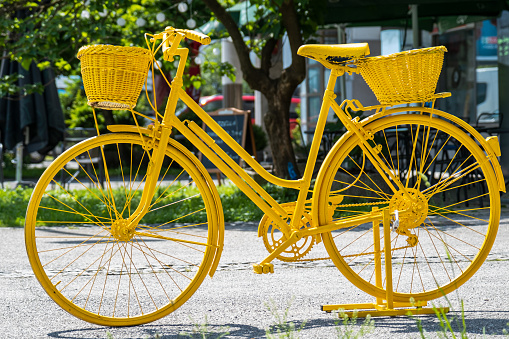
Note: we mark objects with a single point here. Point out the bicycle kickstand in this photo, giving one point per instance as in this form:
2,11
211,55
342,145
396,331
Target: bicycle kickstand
387,306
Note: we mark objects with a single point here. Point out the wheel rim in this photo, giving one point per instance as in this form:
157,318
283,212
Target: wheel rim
465,208
87,258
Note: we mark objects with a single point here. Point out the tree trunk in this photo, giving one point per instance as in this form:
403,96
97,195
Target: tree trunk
278,130
278,91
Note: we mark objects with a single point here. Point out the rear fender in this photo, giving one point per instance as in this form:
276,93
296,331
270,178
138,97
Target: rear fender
490,145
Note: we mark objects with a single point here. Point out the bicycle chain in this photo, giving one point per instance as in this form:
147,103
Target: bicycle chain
352,255
364,204
348,205
310,259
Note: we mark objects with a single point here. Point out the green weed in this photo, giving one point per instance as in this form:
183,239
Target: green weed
282,327
451,326
347,328
203,331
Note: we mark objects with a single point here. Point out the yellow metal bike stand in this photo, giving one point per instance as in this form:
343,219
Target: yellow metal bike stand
384,307
381,310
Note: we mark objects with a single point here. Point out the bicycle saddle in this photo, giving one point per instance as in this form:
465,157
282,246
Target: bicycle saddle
334,55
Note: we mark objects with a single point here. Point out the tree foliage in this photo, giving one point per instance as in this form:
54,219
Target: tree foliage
50,32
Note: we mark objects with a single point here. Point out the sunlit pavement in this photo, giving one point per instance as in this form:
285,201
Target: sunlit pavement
242,303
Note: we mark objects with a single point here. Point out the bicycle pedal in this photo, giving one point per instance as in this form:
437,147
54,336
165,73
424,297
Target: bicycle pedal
263,268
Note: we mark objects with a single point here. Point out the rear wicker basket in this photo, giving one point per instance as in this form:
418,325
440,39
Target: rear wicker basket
113,76
404,77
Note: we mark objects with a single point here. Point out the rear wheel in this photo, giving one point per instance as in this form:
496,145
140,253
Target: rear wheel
448,211
86,255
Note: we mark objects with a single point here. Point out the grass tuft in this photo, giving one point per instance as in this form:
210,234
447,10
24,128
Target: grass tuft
347,328
202,331
282,328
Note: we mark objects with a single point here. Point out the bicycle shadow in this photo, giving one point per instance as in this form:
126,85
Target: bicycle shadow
429,324
165,331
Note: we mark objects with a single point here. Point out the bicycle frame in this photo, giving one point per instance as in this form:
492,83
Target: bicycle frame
194,133
206,145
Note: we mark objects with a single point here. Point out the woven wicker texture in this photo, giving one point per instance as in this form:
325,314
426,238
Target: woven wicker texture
113,76
404,77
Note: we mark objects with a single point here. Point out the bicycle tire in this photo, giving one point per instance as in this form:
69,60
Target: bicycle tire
74,226
447,172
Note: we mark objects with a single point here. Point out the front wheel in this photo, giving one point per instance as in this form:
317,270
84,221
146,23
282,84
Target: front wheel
448,210
88,258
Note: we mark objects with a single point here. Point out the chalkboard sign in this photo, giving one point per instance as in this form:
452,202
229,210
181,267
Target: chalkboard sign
237,124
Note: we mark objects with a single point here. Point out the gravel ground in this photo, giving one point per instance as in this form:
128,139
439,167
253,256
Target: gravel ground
243,304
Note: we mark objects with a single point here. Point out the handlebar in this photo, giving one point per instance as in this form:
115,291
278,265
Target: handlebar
171,39
186,33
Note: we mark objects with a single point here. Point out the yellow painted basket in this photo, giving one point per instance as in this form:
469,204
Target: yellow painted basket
113,76
404,77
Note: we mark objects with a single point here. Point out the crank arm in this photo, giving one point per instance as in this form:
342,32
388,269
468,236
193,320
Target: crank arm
265,265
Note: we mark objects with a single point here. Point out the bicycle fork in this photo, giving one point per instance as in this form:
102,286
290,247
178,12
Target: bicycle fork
163,132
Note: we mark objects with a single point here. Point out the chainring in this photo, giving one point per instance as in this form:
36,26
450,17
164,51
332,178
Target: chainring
273,237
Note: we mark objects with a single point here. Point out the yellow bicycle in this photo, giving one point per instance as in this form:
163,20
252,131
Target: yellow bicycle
407,201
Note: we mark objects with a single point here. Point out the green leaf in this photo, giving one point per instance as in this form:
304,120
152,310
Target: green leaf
63,65
43,65
197,84
25,63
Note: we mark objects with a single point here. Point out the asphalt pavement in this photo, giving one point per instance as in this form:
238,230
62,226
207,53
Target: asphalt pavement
245,304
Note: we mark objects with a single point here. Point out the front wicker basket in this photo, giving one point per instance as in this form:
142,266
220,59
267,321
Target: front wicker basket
404,77
113,76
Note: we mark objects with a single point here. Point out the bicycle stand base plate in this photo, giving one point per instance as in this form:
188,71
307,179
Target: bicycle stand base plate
375,310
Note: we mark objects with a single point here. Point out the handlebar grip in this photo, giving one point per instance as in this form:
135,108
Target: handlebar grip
171,40
190,34
198,37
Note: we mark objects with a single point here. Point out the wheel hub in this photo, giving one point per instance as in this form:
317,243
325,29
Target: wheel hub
412,208
121,230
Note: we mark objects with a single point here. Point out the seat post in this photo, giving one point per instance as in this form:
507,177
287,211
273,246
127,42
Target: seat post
328,97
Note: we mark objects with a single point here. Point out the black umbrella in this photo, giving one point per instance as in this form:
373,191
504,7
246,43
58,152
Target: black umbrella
36,120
